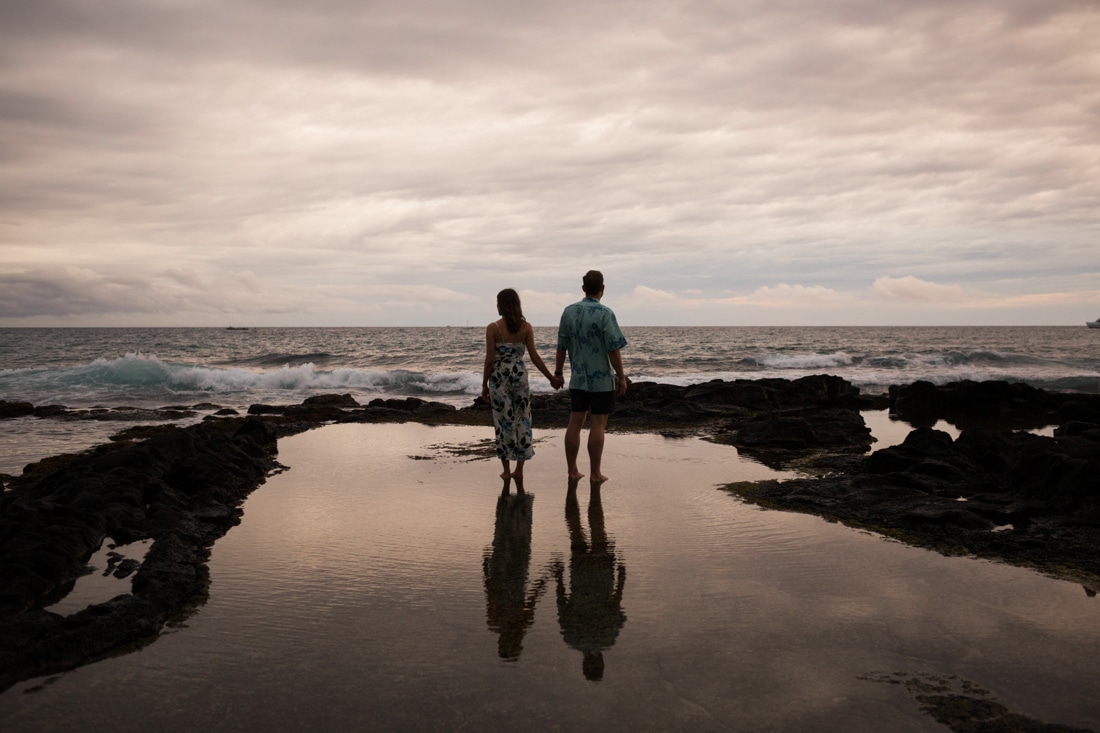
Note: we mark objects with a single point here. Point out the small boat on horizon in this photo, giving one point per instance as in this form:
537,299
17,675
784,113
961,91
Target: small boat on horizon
1093,324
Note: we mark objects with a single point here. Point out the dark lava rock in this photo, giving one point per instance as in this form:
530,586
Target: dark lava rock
648,405
261,409
819,390
413,405
15,409
261,432
332,400
126,568
140,432
181,488
1023,498
407,404
990,404
435,408
836,428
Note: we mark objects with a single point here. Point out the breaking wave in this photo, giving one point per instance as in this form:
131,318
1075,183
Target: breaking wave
149,380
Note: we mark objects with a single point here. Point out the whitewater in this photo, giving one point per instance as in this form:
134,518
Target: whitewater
215,368
154,367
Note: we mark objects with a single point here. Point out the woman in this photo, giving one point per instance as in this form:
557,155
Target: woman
504,381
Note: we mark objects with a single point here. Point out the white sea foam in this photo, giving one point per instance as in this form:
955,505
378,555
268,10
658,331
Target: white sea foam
805,361
159,367
70,366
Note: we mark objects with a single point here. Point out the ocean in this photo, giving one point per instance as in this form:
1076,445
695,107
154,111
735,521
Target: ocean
234,368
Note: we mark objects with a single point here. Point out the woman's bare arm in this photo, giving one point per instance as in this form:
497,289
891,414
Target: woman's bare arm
490,357
529,339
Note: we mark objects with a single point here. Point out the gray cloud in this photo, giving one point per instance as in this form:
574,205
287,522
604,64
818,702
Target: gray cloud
332,148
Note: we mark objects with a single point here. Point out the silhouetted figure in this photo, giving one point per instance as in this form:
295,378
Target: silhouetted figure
591,613
510,606
590,336
504,382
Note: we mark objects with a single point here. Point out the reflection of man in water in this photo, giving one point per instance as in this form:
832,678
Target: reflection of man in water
510,608
591,613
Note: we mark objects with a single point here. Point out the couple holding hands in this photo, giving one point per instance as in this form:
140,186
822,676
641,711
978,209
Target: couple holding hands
589,334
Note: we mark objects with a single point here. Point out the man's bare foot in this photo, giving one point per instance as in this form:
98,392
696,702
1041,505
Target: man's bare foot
598,478
506,475
575,474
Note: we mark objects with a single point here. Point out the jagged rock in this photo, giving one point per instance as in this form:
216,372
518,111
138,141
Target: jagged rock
181,488
262,433
1016,496
834,428
991,404
261,409
332,400
435,408
15,409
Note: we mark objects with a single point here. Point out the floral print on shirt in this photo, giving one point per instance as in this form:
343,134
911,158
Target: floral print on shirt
588,331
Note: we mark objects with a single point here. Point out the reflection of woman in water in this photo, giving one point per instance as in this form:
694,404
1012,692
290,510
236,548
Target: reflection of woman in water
504,381
591,614
510,607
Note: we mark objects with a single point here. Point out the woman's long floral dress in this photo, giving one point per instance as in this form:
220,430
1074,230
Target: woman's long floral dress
510,397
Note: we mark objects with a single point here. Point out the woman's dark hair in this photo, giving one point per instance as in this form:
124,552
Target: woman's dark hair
509,307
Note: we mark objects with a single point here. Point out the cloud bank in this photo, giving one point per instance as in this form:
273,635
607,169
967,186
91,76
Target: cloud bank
788,162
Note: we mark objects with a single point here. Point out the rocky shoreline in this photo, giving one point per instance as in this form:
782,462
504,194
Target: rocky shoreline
995,491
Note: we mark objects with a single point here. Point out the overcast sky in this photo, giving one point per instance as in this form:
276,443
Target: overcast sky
723,162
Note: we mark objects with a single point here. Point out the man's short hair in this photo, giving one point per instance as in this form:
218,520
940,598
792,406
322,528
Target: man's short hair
592,282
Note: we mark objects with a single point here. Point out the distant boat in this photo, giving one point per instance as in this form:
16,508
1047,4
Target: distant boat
236,328
1093,324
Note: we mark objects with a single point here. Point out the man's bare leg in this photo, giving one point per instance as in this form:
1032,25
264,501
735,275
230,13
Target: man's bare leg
518,473
507,468
596,425
573,442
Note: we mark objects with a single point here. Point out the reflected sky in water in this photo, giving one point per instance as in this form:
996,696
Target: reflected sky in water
388,581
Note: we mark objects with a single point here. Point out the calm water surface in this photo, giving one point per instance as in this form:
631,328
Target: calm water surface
383,584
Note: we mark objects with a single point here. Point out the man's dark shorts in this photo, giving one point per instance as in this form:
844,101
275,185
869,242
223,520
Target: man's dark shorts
597,403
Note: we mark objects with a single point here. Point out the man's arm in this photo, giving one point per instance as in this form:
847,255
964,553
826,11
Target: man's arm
559,361
616,359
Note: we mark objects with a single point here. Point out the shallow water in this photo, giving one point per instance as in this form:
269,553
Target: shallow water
363,591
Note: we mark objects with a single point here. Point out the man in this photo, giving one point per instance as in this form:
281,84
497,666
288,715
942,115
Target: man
590,335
